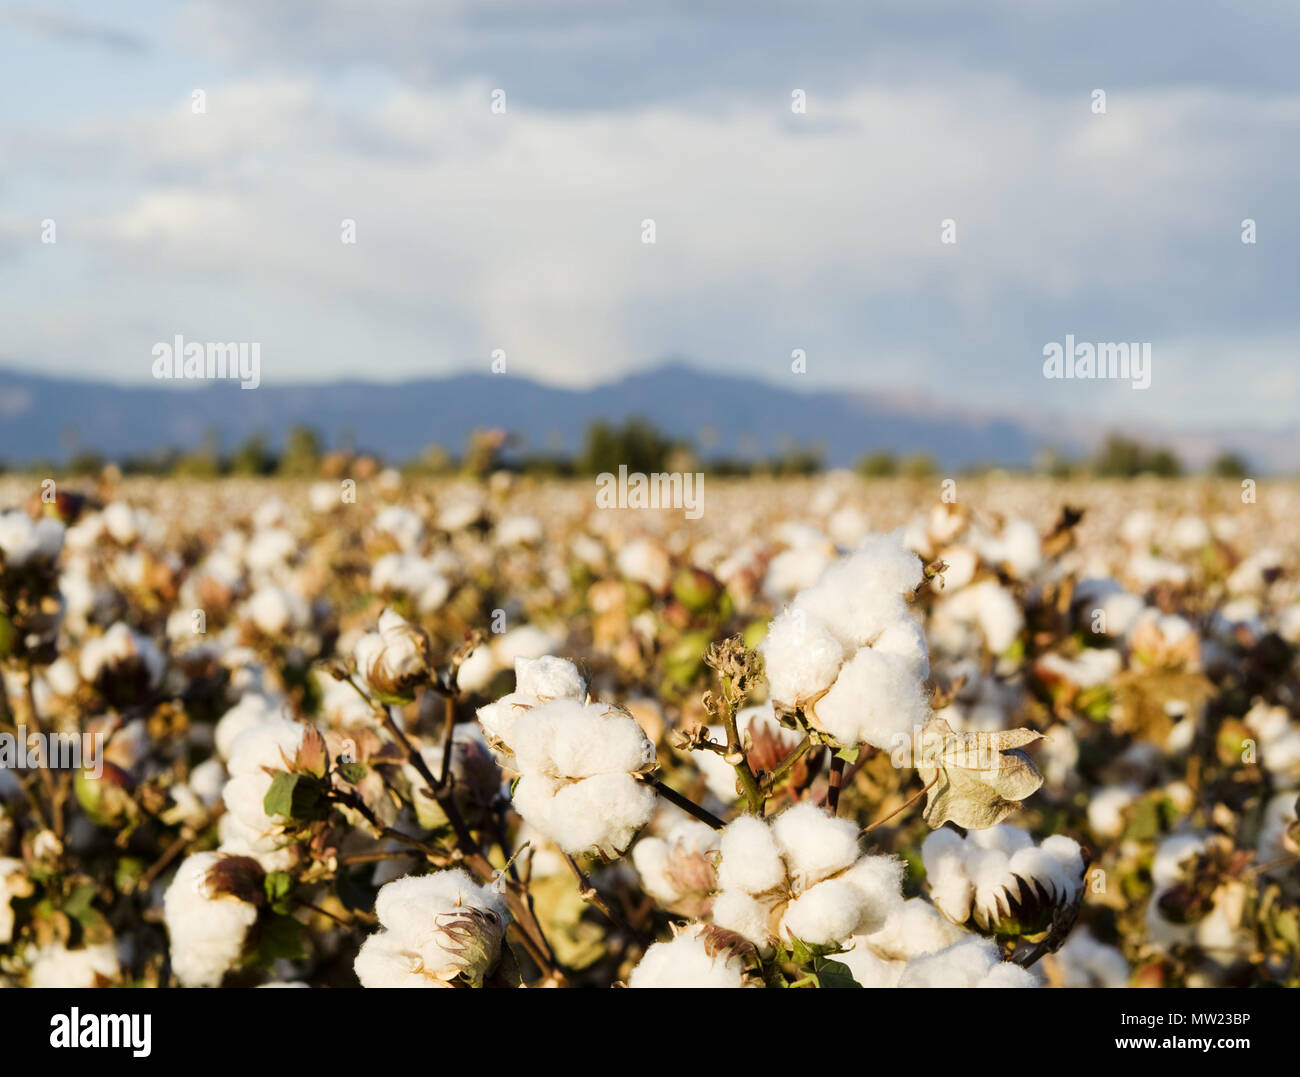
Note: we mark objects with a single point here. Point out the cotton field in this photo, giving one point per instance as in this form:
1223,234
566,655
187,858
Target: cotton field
825,732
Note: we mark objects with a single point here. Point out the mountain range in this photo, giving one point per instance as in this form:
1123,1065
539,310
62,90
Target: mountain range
46,418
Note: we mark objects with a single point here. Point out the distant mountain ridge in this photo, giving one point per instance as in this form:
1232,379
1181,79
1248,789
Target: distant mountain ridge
744,417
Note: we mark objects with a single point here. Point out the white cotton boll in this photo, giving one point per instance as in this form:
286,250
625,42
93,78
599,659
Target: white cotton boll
1037,866
266,745
869,968
645,562
1085,962
1172,855
1138,527
879,879
207,932
498,719
1004,837
906,639
962,562
913,928
860,596
687,962
270,549
963,964
548,677
413,906
1189,533
1288,624
402,524
603,812
526,641
814,844
58,967
276,611
1021,548
827,913
477,670
952,892
801,656
875,699
1067,853
747,916
253,709
750,857
847,527
1106,809
518,531
998,615
660,861
1005,974
792,571
383,962
1148,571
941,848
120,522
566,738
206,781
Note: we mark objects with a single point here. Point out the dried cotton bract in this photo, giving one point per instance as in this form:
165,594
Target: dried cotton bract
849,653
439,930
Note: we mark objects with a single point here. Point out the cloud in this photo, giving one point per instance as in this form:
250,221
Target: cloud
58,26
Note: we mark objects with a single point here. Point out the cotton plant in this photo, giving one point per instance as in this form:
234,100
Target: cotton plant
579,763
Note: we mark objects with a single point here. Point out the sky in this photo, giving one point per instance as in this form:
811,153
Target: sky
775,230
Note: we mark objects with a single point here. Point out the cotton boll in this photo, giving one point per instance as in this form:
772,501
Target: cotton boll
383,962
963,964
827,913
253,709
207,931
276,611
1106,809
525,641
1005,974
436,929
860,596
645,562
875,699
477,670
566,738
1067,853
498,719
57,966
266,745
868,968
750,857
1003,837
687,961
548,677
603,812
879,879
792,571
801,656
913,928
814,844
1085,962
746,915
906,639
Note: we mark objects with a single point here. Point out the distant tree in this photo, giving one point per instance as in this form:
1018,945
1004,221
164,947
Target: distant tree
1123,457
302,452
636,444
920,466
253,457
878,465
1230,465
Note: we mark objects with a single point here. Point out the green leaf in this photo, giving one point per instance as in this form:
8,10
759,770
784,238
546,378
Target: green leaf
833,973
281,937
278,884
849,755
353,772
279,798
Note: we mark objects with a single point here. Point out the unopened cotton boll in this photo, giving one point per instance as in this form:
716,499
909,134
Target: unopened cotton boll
690,960
207,929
